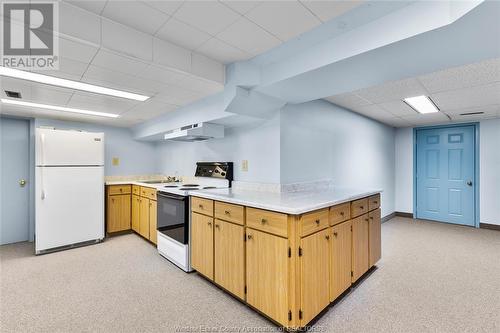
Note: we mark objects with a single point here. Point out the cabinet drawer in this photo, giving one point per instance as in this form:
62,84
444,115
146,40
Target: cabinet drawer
359,207
202,206
340,213
148,192
136,189
265,220
314,221
229,212
118,189
374,202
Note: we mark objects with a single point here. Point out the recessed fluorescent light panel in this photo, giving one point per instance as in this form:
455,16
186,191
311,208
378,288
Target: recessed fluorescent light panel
55,81
421,104
58,108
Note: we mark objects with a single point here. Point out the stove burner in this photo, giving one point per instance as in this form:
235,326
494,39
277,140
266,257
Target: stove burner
188,188
171,186
190,185
209,187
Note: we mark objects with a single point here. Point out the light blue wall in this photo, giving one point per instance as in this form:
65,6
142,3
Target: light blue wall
136,157
320,140
259,144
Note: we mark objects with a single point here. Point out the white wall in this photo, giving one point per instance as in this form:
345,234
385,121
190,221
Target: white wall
136,157
404,170
489,171
322,141
259,144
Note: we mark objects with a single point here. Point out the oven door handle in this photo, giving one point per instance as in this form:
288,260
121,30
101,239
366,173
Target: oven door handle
170,196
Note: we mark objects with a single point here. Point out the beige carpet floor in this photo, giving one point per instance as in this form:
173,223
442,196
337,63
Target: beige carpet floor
433,278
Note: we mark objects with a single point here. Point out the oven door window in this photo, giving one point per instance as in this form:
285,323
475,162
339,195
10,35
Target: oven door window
172,217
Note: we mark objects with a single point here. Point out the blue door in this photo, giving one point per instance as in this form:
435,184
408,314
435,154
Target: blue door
445,174
14,195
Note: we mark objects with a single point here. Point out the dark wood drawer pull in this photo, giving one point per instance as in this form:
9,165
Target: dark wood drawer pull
317,221
335,234
263,221
227,212
342,213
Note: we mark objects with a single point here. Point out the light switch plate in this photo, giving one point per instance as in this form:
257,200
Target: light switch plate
244,165
115,161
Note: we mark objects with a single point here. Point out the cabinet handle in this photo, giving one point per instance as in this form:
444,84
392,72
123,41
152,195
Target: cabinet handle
335,234
263,221
121,190
317,221
227,212
371,217
209,223
200,206
112,199
367,220
342,213
362,207
249,236
327,237
375,202
150,204
217,226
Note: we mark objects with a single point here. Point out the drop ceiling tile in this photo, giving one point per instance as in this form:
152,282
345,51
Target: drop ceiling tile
208,68
121,38
427,119
241,6
284,19
149,109
374,111
136,15
163,75
16,85
169,7
76,50
101,103
480,73
249,37
327,10
209,16
79,23
468,97
398,122
182,34
168,54
395,90
177,96
476,117
348,100
119,63
95,6
220,51
47,95
398,108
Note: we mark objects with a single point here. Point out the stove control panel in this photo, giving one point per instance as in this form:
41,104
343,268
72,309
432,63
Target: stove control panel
222,170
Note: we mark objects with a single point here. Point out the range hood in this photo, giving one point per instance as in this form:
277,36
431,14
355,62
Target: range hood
196,132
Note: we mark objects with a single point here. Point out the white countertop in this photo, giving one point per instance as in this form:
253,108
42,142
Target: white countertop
157,185
293,203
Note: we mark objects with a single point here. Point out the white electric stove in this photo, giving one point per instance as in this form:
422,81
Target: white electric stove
173,221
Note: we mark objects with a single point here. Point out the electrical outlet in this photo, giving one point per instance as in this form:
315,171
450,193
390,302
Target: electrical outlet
244,165
115,161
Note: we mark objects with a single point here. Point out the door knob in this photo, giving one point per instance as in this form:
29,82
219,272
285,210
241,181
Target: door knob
22,182
469,182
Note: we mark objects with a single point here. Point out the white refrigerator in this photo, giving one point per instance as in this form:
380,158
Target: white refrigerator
69,189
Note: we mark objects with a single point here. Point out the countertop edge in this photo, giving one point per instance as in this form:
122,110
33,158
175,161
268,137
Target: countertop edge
281,209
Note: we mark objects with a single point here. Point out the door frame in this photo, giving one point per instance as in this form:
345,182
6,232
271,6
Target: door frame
476,165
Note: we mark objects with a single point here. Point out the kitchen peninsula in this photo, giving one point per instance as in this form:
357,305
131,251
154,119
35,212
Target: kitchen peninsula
287,255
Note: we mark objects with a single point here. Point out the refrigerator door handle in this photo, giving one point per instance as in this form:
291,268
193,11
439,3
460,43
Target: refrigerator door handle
42,139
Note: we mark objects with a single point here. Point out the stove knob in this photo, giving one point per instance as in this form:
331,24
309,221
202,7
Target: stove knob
223,173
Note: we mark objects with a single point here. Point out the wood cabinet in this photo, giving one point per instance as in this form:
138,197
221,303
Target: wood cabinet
202,244
340,259
267,274
315,275
229,257
136,208
374,241
118,210
132,207
360,260
288,267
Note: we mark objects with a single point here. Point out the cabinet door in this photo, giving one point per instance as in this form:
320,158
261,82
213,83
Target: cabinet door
340,259
374,231
118,213
202,244
152,221
136,208
315,274
267,274
359,246
144,217
230,257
